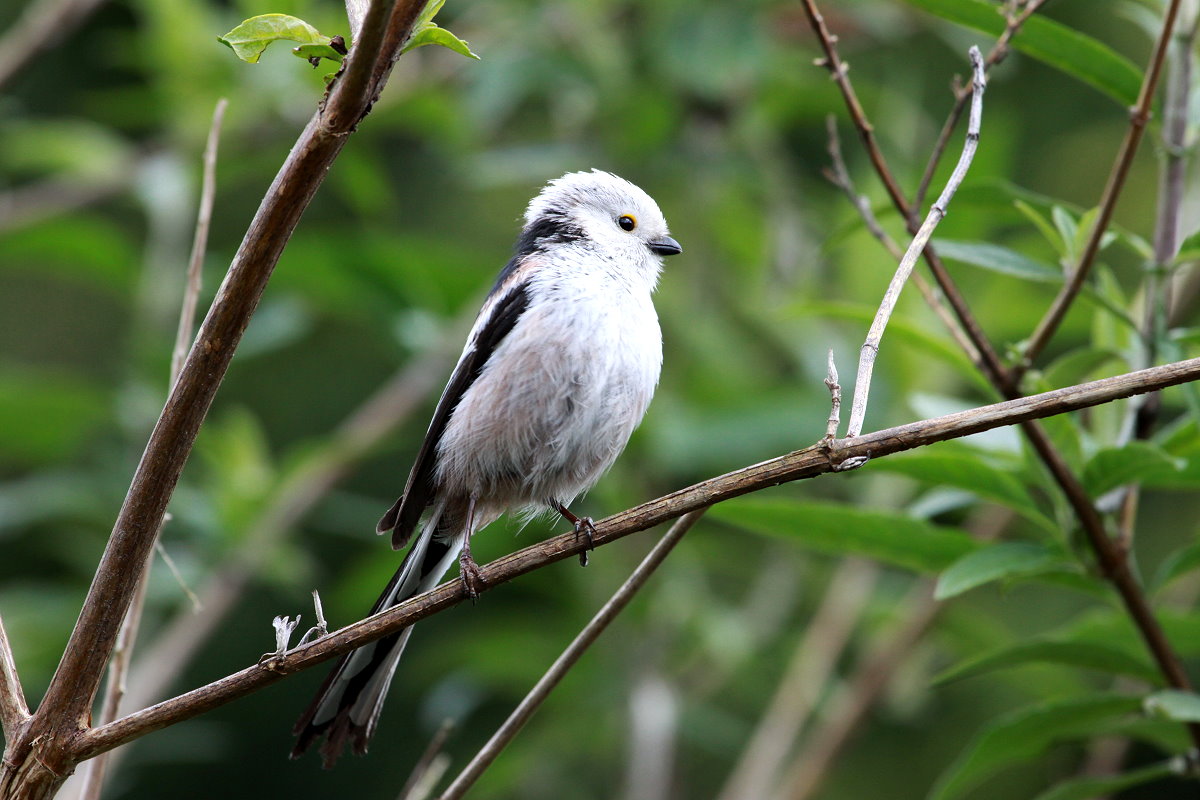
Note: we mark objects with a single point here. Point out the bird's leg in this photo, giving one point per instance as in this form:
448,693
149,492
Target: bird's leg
468,570
584,526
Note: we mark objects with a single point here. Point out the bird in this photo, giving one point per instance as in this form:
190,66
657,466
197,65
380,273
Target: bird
557,372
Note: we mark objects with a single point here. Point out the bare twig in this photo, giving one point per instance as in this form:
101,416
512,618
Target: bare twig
118,667
813,661
806,463
988,361
40,760
839,176
419,786
870,348
962,95
579,645
13,710
1138,119
41,25
835,400
848,707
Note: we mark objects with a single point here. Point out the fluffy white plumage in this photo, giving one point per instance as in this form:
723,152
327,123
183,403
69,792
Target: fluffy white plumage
556,373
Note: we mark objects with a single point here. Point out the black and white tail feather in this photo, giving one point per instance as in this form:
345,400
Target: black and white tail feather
556,373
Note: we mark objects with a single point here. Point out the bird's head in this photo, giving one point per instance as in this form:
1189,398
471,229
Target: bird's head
598,209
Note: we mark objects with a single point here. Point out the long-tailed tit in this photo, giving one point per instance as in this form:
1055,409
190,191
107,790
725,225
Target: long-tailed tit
556,373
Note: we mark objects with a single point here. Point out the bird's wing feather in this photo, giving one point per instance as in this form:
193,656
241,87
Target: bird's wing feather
500,312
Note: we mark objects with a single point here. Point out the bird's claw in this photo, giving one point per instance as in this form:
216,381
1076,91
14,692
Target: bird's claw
586,527
472,578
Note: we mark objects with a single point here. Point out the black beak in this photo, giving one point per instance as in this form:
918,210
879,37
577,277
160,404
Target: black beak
666,246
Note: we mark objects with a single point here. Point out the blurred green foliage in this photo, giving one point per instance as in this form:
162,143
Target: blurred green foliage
717,110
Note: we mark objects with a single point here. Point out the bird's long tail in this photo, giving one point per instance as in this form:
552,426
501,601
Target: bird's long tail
346,709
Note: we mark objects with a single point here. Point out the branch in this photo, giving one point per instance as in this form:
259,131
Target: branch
13,710
65,708
870,348
118,667
963,94
1138,119
839,176
807,675
40,27
807,463
989,361
569,657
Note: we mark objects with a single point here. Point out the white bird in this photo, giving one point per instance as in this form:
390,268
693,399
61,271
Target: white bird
556,373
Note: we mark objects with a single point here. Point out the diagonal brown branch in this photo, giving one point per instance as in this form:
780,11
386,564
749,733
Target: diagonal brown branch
65,709
815,460
1139,117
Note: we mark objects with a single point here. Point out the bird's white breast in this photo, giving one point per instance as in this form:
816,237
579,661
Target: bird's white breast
561,394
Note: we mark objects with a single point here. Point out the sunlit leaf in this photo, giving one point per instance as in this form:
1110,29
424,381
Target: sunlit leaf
998,259
1087,655
249,39
1051,42
1174,704
426,31
1026,733
997,562
890,537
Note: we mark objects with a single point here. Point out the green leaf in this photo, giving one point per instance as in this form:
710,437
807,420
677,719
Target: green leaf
1088,655
969,470
1180,562
1067,229
1103,786
426,31
318,51
998,259
1078,366
1136,462
250,39
1050,42
1189,249
890,537
1048,231
995,562
1174,704
1027,732
432,34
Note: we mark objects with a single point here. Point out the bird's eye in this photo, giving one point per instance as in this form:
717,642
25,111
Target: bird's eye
627,222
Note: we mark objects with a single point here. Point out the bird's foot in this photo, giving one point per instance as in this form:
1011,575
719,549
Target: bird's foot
472,576
584,526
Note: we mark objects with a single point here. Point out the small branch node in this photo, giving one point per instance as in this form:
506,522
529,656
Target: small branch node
835,398
318,630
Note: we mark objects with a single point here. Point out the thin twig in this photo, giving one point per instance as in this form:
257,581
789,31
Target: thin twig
870,348
835,399
806,463
13,709
1138,119
40,761
848,707
420,771
813,661
989,360
962,96
118,666
563,664
839,176
42,25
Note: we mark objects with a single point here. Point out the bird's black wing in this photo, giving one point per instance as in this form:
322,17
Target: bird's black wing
402,517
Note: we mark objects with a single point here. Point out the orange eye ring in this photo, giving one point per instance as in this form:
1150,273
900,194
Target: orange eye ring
627,222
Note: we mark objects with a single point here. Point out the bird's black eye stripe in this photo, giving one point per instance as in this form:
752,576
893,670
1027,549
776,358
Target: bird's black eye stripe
627,222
